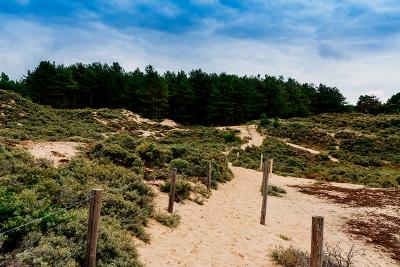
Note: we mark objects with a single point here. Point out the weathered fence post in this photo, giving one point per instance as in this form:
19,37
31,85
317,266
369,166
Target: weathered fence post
237,154
172,192
93,227
266,171
209,175
264,190
226,159
261,162
317,239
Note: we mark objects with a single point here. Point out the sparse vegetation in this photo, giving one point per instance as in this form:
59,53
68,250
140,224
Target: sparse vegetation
113,158
170,220
293,257
366,146
284,237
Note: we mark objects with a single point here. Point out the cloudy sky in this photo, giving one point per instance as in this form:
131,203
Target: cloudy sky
351,44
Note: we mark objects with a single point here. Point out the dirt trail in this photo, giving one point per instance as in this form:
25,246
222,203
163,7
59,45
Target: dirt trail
226,230
310,150
249,133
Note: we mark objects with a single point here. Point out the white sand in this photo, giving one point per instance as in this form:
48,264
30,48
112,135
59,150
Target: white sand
248,132
312,151
56,152
170,123
226,230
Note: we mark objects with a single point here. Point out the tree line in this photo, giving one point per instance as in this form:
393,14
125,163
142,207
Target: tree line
196,97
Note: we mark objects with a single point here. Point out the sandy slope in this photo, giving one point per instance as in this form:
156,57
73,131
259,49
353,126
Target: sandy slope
56,152
247,132
226,230
310,150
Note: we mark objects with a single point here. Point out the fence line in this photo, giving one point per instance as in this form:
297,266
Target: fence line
44,217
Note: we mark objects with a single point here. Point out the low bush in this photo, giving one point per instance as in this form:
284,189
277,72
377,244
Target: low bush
181,165
333,257
182,189
31,190
170,220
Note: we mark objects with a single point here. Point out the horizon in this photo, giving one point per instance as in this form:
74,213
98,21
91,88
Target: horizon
352,45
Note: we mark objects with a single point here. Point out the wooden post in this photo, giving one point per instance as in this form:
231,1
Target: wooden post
226,160
172,192
266,173
209,175
237,154
317,239
261,162
93,227
270,163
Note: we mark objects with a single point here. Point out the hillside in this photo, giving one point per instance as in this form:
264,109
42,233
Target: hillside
355,148
50,159
85,149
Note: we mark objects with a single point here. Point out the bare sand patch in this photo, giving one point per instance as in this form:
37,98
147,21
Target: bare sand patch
310,150
248,133
56,152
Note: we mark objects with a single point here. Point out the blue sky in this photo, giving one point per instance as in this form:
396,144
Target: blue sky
351,44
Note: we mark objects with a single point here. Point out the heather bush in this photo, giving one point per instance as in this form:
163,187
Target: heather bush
182,189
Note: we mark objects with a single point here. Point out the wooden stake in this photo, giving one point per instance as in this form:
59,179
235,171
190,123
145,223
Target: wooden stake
271,163
209,175
317,239
172,191
237,154
266,172
93,227
261,162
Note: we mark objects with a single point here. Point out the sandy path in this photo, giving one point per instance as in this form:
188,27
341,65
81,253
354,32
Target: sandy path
310,150
226,230
247,132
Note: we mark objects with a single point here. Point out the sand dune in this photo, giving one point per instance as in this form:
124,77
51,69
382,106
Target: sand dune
226,230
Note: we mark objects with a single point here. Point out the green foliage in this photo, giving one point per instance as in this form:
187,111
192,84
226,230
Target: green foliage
369,104
182,189
116,154
366,146
264,121
181,165
30,190
230,136
195,97
333,256
170,220
275,191
153,154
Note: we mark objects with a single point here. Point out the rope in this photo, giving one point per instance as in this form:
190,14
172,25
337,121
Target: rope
44,217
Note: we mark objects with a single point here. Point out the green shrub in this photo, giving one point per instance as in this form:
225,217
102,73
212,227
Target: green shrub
153,154
115,154
264,120
181,165
182,189
170,220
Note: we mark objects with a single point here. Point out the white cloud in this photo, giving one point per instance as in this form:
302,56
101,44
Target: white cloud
363,72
